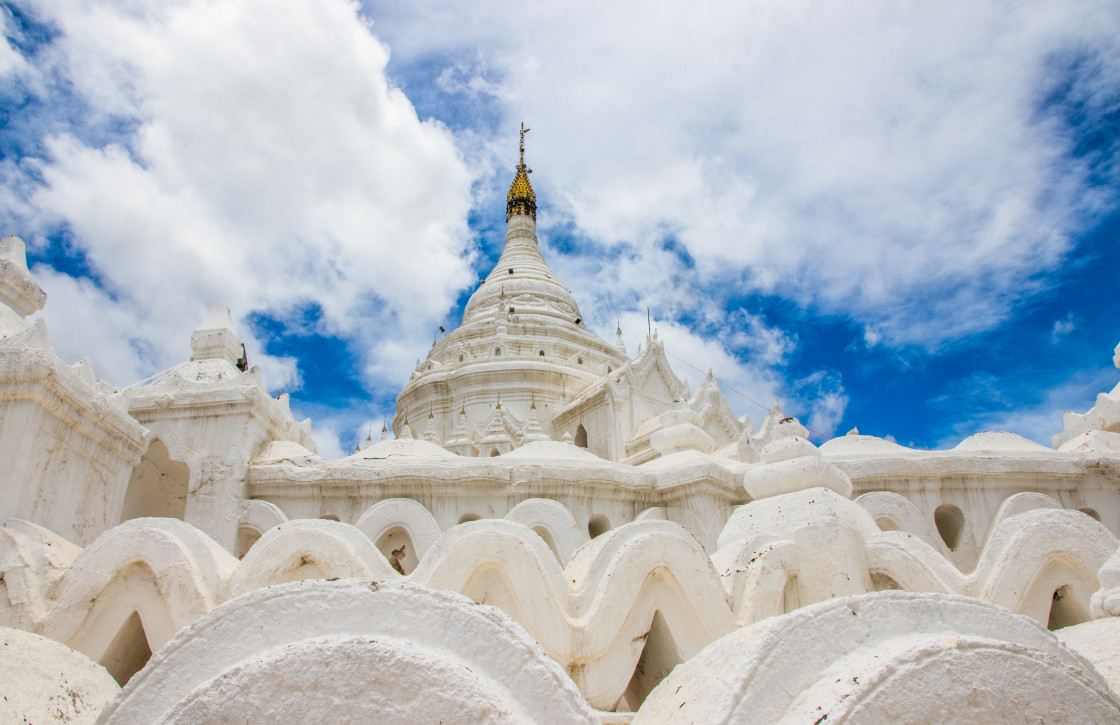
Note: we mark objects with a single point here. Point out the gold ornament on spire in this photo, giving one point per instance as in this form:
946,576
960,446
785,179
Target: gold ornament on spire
521,199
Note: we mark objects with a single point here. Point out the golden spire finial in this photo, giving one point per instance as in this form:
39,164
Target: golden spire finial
521,199
523,132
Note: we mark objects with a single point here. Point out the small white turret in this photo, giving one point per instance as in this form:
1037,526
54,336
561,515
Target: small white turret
20,294
216,339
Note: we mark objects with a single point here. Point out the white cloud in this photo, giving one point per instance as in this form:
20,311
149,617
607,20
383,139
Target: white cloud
1043,420
1061,328
11,62
272,168
885,160
822,391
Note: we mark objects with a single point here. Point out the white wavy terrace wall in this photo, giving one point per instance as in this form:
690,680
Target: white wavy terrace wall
643,592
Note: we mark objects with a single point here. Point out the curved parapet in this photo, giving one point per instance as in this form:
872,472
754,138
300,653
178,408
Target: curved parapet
166,572
899,560
828,529
507,565
401,529
257,518
32,561
893,512
1043,563
260,516
1019,503
759,576
299,652
642,592
883,657
308,549
553,522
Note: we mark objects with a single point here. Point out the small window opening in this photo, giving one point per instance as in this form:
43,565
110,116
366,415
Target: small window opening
541,353
469,517
581,437
511,270
598,525
1090,512
950,524
512,311
886,523
462,358
497,352
494,452
579,361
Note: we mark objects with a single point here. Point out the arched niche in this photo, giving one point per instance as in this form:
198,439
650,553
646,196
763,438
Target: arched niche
580,438
660,654
246,537
128,652
158,486
950,524
1065,610
398,548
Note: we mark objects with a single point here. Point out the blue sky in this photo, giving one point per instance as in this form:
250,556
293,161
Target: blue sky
897,216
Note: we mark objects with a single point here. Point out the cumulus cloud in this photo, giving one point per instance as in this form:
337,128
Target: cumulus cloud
259,158
10,59
903,164
1061,328
824,394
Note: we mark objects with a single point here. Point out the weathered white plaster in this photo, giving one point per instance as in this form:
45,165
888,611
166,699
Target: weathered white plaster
66,439
43,681
351,650
553,523
885,657
1098,641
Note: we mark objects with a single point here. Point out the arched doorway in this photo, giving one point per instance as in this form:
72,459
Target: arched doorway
158,486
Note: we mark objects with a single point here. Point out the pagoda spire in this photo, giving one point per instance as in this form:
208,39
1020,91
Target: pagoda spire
521,199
